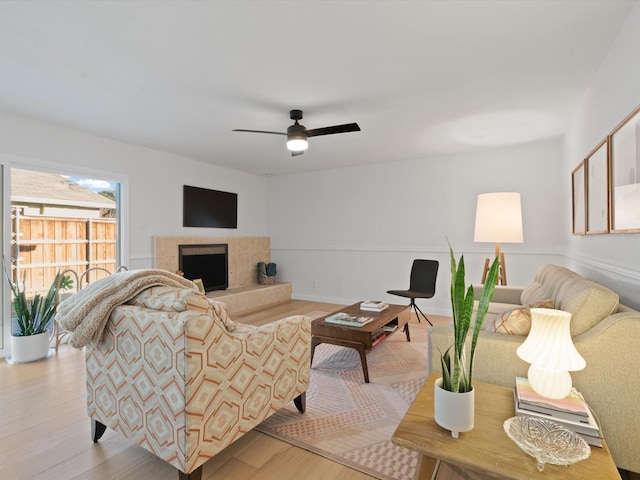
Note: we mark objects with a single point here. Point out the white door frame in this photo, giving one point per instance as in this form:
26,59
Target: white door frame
8,161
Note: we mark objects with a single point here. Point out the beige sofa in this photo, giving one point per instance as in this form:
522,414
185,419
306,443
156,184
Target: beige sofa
606,333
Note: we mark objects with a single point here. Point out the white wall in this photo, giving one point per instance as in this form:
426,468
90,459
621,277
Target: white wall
153,179
613,259
349,234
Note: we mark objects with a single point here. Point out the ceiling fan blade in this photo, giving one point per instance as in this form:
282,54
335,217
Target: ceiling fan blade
295,154
258,131
347,127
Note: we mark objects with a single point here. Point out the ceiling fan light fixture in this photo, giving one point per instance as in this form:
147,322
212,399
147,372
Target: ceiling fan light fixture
297,138
297,135
297,144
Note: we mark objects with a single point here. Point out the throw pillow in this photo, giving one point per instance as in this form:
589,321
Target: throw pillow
220,312
518,320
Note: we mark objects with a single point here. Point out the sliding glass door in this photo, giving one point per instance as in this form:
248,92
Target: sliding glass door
5,311
53,222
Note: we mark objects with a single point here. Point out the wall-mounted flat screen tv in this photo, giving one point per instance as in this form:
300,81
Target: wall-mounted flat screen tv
209,208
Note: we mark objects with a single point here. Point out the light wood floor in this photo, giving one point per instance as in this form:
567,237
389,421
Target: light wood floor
45,434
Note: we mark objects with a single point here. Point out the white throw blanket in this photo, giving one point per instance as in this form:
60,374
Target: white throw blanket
86,312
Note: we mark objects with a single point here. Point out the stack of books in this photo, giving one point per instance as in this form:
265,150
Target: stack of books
571,412
348,319
373,306
377,337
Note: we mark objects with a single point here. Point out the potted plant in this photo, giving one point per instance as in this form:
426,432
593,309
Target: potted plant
33,316
453,395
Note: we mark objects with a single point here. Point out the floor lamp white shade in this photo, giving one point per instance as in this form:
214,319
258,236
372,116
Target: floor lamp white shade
551,353
498,218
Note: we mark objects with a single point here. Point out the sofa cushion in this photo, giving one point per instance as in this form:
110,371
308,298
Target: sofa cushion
518,320
587,302
494,311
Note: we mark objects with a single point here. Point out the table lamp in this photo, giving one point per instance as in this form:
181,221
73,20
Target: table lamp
499,220
551,353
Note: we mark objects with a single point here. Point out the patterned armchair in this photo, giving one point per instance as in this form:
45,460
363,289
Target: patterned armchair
176,376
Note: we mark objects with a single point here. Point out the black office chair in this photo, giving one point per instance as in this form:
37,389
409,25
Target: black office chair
421,285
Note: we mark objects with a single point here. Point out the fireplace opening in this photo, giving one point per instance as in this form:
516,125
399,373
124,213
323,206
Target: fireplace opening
206,262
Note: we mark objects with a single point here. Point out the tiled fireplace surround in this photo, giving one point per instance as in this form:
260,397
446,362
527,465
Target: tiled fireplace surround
244,253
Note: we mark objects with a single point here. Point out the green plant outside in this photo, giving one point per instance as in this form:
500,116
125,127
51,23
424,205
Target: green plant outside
66,282
35,315
456,373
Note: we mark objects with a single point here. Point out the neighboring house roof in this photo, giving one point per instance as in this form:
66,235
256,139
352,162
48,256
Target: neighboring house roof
28,186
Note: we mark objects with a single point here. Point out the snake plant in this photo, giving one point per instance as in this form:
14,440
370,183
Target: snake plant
33,316
456,373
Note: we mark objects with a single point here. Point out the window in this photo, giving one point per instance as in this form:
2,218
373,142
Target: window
61,222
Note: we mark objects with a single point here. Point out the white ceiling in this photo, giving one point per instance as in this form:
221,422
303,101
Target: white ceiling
421,78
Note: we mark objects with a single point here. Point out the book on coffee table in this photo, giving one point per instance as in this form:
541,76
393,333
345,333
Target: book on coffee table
374,305
348,319
378,338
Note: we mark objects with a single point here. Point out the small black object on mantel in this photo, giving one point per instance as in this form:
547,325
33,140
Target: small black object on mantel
266,273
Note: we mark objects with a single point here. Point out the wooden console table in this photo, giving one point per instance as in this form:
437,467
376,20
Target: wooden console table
359,338
486,449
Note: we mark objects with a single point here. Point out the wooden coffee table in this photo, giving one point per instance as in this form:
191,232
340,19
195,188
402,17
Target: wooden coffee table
486,449
360,339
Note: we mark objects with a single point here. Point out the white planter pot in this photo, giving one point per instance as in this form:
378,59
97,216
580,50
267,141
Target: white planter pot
29,348
453,411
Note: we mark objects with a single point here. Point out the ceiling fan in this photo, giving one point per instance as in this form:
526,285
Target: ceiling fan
297,134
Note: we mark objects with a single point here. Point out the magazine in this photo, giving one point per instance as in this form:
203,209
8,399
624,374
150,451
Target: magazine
348,319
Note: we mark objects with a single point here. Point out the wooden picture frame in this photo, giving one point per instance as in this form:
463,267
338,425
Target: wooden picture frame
624,175
596,167
578,193
199,284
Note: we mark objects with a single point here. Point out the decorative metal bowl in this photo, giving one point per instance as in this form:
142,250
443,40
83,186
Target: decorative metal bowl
546,441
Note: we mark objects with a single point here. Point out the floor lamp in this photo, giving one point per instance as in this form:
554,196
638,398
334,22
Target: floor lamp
499,220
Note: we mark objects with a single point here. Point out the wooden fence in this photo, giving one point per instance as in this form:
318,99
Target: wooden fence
42,246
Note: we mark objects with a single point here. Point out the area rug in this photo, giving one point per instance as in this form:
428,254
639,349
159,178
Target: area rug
351,422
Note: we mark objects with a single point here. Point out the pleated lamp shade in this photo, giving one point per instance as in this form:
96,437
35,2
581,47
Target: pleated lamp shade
551,353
